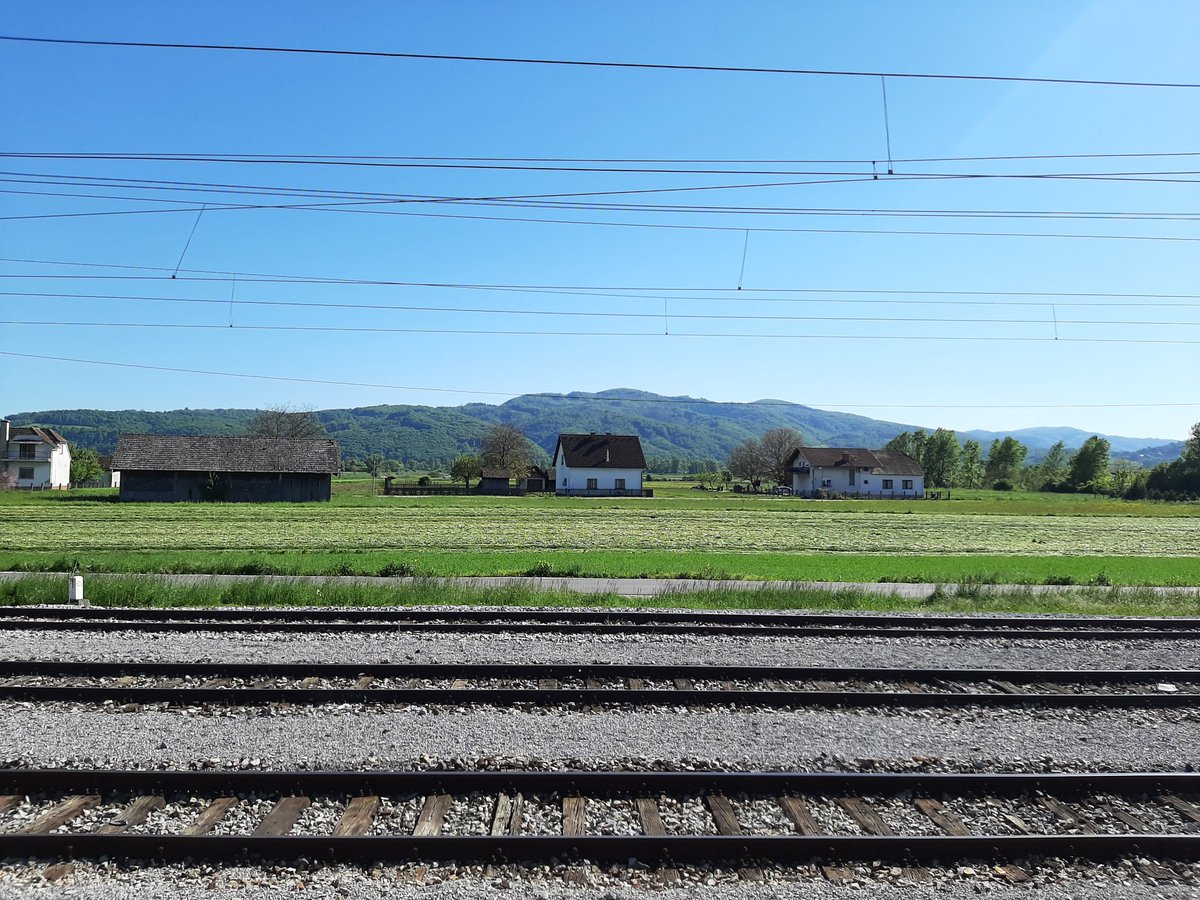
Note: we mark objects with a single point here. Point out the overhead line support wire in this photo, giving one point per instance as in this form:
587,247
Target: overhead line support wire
605,64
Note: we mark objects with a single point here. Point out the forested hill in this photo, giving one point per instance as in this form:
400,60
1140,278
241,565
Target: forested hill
682,428
421,436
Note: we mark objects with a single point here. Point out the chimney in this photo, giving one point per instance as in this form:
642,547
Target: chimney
5,431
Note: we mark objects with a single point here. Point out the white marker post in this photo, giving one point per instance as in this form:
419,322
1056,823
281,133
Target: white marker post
75,590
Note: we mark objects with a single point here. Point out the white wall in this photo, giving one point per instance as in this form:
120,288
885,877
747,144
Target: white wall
576,479
60,466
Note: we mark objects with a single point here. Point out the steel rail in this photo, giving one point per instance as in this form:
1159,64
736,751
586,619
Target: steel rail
227,626
790,849
92,669
589,783
777,699
647,849
545,616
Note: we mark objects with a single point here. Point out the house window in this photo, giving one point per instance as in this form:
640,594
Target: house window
887,484
851,473
28,451
592,484
826,482
619,484
25,473
564,482
908,484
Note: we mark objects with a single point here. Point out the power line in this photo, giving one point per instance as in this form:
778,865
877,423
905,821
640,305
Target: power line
753,70
866,212
325,329
386,307
351,159
580,398
545,166
225,275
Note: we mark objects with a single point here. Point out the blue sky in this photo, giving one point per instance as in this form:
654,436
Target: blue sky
875,358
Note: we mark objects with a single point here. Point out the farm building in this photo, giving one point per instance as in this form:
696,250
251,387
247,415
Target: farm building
599,465
33,457
853,470
181,468
494,481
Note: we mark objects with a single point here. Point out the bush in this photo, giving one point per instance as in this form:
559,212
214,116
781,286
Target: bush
397,570
1002,485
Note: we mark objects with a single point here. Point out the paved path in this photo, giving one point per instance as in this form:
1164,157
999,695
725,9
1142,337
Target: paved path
636,587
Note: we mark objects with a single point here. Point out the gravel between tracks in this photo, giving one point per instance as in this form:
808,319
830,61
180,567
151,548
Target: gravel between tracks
401,647
332,737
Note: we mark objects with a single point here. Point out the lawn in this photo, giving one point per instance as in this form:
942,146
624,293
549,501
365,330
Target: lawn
977,536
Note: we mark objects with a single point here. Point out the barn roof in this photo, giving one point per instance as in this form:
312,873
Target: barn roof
201,453
601,451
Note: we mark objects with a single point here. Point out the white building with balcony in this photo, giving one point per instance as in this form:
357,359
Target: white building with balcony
33,457
856,471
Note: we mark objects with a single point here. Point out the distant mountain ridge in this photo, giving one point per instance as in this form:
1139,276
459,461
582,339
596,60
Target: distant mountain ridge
686,428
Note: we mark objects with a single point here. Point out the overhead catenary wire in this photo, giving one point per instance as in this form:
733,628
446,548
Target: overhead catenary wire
492,392
224,275
337,329
604,64
393,307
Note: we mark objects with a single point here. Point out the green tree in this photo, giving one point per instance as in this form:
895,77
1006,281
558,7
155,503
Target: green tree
1005,459
1124,473
85,466
1089,465
940,458
970,469
1054,467
465,468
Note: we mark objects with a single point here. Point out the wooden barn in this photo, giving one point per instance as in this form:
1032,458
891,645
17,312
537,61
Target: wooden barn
169,468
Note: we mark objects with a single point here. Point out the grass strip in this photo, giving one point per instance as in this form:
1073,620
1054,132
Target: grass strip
150,592
1101,571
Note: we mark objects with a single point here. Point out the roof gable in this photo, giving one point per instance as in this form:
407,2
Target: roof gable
38,433
201,453
601,451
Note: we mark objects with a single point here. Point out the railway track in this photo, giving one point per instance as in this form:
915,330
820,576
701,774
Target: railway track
190,684
651,818
616,621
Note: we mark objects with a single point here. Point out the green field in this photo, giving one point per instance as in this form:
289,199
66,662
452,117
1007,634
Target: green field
978,536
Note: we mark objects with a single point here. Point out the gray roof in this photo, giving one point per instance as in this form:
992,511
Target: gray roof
200,453
880,462
601,451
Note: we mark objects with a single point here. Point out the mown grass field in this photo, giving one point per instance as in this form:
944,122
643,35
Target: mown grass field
977,536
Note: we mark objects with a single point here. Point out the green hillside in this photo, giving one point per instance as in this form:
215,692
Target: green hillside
425,436
686,429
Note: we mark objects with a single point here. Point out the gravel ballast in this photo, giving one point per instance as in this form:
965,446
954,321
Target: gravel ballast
399,647
334,737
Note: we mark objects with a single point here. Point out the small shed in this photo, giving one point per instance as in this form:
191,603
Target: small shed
180,468
538,481
495,481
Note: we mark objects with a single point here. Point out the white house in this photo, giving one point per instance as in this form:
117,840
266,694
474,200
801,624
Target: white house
599,465
33,457
853,470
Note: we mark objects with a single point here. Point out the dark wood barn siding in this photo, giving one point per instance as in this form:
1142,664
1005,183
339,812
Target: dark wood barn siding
232,487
